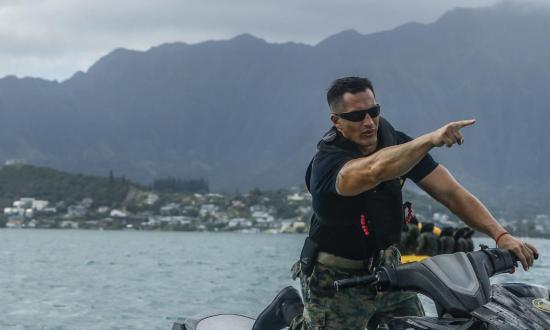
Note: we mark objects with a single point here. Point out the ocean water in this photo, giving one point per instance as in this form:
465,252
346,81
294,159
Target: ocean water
78,279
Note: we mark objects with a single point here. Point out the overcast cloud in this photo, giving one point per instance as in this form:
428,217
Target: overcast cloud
54,38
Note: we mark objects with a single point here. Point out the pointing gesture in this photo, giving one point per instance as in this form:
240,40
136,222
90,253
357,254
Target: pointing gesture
450,134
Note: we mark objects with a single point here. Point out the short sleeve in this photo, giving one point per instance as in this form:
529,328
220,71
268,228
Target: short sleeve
424,167
325,169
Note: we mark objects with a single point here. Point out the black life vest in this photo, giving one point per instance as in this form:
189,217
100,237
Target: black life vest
383,205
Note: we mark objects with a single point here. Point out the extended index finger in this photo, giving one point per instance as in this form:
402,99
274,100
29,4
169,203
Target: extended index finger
464,123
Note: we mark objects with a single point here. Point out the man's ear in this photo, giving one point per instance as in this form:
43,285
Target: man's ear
334,119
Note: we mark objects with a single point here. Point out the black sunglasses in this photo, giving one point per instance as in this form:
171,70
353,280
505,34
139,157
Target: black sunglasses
359,115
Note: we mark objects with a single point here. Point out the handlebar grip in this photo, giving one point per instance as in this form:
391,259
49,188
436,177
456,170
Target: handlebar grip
353,282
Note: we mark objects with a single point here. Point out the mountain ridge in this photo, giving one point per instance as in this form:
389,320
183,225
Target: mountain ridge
227,110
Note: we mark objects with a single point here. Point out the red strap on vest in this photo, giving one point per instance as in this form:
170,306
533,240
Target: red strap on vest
410,212
364,225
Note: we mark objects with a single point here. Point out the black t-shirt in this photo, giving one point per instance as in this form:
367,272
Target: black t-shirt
326,165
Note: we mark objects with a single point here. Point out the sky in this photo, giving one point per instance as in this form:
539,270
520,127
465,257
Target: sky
53,39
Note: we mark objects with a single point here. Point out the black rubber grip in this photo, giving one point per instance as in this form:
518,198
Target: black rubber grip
353,282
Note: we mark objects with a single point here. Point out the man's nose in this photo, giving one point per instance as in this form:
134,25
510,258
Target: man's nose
368,121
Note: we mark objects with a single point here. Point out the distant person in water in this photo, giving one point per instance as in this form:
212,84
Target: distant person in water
468,233
446,241
461,245
401,244
428,243
411,238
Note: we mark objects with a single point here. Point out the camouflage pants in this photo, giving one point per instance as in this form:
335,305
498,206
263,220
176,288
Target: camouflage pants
352,308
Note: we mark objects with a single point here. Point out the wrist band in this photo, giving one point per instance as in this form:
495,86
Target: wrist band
499,236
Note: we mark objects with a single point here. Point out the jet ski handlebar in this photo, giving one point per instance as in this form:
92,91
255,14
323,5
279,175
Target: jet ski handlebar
380,279
487,262
356,281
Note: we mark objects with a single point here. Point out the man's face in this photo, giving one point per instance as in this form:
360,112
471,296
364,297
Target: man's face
363,133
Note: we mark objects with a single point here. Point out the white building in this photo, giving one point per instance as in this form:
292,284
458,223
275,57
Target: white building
118,214
14,211
103,209
151,199
295,197
39,205
24,202
239,222
208,209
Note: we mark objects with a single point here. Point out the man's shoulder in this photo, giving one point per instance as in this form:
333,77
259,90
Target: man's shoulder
330,136
323,170
327,156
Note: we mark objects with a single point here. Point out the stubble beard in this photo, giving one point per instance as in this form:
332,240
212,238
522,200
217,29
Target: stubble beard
368,147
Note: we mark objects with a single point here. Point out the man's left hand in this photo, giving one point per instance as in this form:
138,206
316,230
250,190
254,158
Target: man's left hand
523,250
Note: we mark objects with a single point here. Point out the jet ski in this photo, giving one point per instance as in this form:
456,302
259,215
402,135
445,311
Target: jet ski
458,284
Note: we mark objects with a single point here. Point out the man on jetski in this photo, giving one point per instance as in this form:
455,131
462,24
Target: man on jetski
355,180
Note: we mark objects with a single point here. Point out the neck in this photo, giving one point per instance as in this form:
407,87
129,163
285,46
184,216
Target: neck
367,150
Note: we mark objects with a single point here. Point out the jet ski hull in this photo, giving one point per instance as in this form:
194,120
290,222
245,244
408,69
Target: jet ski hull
216,322
457,283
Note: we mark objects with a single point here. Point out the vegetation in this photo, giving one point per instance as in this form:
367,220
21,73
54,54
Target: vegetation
86,201
21,180
176,185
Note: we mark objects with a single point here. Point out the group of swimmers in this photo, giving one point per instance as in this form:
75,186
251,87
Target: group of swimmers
427,240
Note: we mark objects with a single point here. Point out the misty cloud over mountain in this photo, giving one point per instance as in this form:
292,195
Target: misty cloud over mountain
245,113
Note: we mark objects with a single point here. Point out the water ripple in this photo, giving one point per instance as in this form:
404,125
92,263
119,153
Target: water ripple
54,279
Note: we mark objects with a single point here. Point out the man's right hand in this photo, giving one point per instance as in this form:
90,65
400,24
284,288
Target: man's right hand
450,134
524,251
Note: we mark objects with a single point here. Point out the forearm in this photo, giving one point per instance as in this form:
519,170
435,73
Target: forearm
388,163
475,214
472,211
441,185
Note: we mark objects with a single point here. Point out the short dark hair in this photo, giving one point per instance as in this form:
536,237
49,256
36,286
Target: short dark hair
345,85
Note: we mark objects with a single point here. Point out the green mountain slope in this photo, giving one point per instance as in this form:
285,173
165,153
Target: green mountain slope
17,181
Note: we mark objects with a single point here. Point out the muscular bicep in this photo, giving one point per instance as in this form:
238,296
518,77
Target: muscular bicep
356,176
